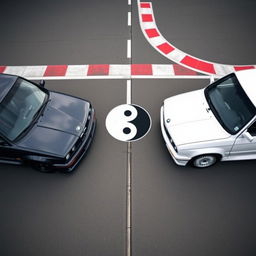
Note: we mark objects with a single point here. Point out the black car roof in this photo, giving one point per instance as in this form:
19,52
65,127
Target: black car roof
6,83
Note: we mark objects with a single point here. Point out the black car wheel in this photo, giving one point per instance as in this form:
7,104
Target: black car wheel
42,167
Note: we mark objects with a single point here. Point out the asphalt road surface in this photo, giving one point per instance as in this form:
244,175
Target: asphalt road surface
177,211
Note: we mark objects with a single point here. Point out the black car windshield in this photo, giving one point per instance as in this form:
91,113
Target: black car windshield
19,107
230,104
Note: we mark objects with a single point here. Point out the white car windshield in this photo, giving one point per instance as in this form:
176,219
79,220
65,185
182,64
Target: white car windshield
230,104
19,108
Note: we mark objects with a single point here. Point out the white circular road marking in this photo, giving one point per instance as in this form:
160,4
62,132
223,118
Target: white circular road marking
128,122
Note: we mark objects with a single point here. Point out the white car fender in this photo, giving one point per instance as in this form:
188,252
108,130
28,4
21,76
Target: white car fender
204,151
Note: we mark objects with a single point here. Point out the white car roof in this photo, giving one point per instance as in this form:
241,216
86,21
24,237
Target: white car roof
247,79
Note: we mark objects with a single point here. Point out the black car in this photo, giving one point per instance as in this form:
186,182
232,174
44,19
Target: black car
45,129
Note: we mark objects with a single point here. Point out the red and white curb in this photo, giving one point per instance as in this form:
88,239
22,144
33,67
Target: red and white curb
102,71
155,38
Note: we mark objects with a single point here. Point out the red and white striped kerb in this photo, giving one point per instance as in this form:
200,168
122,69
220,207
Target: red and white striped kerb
154,37
95,71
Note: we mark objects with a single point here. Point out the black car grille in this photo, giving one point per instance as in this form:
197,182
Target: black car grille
85,130
83,135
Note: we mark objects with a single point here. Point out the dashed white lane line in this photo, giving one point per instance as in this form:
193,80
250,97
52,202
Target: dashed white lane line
129,144
129,19
159,43
129,49
129,92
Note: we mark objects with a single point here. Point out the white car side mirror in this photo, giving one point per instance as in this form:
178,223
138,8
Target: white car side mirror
211,79
248,136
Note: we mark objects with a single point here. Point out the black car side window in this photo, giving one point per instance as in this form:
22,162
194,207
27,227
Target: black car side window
252,129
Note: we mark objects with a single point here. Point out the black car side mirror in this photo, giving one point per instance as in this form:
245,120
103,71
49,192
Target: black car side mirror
42,83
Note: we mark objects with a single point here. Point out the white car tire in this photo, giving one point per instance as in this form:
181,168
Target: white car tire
204,161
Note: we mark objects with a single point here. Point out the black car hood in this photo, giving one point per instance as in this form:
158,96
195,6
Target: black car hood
59,127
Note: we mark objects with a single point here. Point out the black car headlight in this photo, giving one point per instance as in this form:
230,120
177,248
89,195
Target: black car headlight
68,156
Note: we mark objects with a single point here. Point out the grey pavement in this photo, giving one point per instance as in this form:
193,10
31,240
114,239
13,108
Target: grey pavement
186,211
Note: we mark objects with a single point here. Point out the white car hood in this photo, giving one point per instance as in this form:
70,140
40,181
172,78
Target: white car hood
190,122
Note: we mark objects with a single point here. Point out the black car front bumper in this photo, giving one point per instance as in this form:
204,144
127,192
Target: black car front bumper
83,147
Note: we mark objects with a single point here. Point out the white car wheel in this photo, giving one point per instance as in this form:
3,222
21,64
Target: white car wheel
204,161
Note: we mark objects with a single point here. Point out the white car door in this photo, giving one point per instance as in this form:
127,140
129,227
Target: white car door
245,146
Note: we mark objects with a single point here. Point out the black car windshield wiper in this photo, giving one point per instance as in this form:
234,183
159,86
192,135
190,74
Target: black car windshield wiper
34,119
41,109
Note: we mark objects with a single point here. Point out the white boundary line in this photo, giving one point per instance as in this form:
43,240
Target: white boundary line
103,71
117,77
129,201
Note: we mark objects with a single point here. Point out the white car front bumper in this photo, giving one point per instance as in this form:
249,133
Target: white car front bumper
178,159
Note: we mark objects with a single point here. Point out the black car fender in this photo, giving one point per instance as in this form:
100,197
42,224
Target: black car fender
39,159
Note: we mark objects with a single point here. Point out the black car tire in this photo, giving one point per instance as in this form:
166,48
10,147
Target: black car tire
42,167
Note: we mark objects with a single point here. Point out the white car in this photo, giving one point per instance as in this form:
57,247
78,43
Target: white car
217,123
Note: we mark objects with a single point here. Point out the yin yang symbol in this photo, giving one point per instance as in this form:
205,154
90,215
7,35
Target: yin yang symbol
128,122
